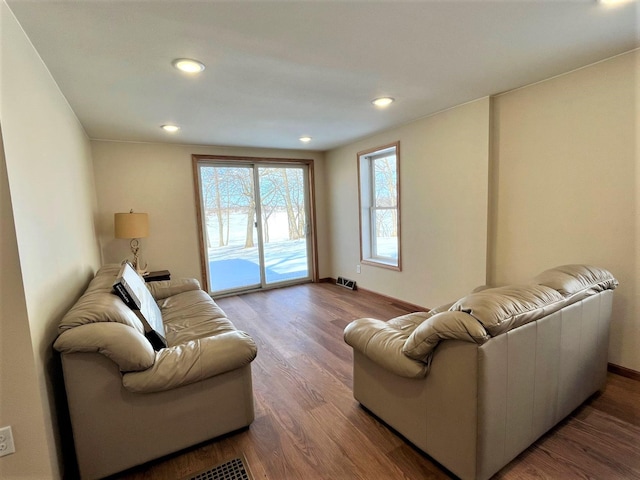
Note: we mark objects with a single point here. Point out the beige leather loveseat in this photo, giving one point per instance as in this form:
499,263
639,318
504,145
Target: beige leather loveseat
475,382
129,403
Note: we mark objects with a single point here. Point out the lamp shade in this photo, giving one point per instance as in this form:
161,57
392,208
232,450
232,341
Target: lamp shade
131,225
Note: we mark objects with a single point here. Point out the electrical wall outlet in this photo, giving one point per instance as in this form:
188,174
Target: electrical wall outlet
357,268
6,442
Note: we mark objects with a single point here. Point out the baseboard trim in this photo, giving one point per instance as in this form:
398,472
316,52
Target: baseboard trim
394,301
624,371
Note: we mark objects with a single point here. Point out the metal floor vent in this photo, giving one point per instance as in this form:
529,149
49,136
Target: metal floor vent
234,469
345,282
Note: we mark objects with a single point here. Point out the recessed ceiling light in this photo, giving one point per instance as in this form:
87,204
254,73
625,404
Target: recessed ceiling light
611,3
170,128
188,65
305,139
383,101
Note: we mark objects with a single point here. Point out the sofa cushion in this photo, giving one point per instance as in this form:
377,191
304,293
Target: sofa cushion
410,321
193,361
167,288
443,326
504,308
191,315
104,277
577,280
131,288
97,304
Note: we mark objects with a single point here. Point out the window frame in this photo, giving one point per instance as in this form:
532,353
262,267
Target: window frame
367,207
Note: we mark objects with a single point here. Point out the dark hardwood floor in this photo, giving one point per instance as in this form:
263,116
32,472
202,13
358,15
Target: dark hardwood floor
308,426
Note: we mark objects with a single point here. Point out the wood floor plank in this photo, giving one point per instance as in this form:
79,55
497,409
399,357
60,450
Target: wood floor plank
610,432
410,460
339,396
308,425
331,421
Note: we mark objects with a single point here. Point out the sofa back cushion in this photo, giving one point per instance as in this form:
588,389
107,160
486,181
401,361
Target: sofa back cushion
577,280
131,288
504,308
95,307
98,304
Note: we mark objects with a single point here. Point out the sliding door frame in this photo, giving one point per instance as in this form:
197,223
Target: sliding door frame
259,162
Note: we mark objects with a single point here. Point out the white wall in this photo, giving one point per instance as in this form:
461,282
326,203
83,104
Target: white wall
444,162
158,179
566,172
50,181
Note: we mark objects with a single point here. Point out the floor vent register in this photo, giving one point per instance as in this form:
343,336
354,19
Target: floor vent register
235,469
345,282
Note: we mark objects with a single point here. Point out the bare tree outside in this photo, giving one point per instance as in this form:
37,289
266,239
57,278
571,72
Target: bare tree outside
293,205
229,191
219,211
236,256
386,196
270,193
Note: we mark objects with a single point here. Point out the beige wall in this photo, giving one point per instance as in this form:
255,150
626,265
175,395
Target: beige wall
566,172
444,162
20,404
562,179
50,181
158,179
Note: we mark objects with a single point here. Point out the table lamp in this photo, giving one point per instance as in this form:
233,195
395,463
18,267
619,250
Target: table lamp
133,226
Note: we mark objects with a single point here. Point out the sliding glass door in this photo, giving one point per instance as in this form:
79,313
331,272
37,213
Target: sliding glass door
284,223
255,224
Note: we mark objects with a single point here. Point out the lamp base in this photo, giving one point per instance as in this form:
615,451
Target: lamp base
137,264
142,271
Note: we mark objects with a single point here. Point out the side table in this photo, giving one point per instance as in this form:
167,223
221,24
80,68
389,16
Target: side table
157,276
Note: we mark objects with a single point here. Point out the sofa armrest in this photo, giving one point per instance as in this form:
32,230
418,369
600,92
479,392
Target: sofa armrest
193,361
127,347
383,344
443,326
169,288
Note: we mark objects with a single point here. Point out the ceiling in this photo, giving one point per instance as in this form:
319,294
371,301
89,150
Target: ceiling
278,70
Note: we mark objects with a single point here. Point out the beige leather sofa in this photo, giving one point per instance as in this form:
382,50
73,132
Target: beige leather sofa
130,404
475,382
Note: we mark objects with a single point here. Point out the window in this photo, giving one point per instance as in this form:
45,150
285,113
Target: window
256,222
379,188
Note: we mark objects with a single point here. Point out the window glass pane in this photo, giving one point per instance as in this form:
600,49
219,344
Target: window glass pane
386,233
255,222
378,181
228,202
384,174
